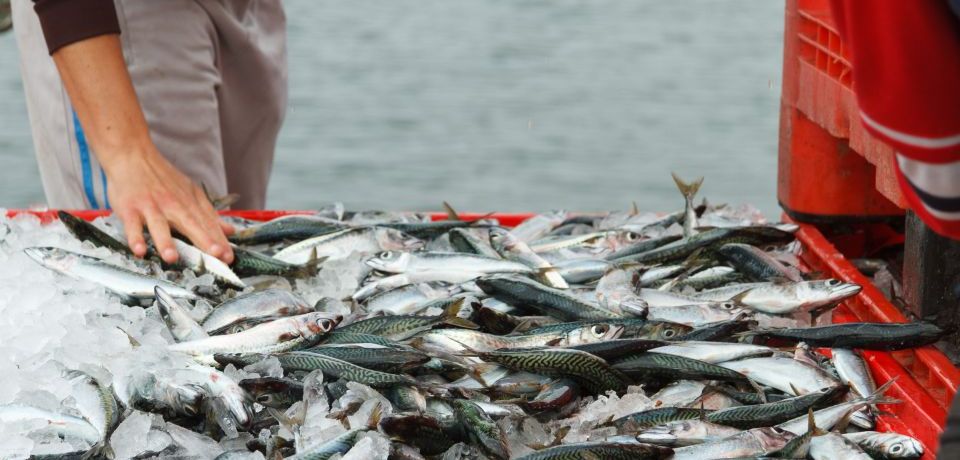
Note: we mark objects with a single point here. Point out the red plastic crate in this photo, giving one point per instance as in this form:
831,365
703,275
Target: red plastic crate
926,380
830,168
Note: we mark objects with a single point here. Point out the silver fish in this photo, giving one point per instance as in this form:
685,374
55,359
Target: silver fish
616,291
271,337
257,305
757,441
689,191
827,418
405,262
510,247
200,262
539,225
833,446
181,325
783,298
62,425
460,340
785,374
342,243
714,352
698,314
686,433
887,445
130,286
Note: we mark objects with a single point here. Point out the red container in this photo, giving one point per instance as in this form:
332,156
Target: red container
830,168
926,381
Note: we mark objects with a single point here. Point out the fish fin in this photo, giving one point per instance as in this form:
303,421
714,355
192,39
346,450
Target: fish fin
560,434
634,209
703,411
796,392
551,277
689,190
759,390
812,424
485,216
133,342
451,213
477,370
311,267
99,450
877,396
816,312
450,317
203,267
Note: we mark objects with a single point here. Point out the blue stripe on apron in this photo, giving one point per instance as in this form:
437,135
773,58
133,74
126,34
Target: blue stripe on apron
85,163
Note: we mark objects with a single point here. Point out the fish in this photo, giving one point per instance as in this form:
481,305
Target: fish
510,247
463,240
248,263
685,433
342,243
459,340
656,417
481,429
756,263
866,336
785,374
270,337
307,361
886,445
376,357
130,286
754,442
760,415
86,231
277,393
830,446
714,352
181,325
688,190
286,228
601,449
783,298
539,225
63,426
420,431
828,417
549,301
201,262
594,373
341,444
402,327
662,366
408,262
257,305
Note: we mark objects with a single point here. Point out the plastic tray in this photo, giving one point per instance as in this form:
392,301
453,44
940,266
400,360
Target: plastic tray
926,381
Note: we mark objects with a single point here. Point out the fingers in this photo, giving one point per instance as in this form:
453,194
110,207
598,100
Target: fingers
226,228
133,227
160,232
213,241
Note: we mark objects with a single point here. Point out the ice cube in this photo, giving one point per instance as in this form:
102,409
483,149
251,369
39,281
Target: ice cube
268,367
193,444
370,446
135,436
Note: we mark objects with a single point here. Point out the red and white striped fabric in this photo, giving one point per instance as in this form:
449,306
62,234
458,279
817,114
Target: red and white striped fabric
906,73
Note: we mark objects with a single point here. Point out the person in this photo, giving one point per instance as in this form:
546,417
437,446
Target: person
140,106
905,57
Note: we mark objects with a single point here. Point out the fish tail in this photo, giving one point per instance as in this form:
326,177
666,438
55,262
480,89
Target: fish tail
877,396
688,189
450,316
452,214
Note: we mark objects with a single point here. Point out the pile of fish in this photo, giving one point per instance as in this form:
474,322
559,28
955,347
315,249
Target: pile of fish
690,335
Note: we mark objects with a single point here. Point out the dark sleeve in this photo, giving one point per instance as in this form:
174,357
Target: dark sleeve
68,21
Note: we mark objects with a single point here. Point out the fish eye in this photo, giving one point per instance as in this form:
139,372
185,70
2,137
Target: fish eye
668,333
631,236
600,329
727,306
264,399
833,282
896,449
385,255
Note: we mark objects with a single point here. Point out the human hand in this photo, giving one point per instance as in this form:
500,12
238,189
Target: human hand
146,189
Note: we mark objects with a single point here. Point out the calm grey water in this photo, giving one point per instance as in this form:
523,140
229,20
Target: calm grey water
506,105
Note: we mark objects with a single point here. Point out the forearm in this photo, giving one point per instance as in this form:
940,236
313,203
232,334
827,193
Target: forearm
96,78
